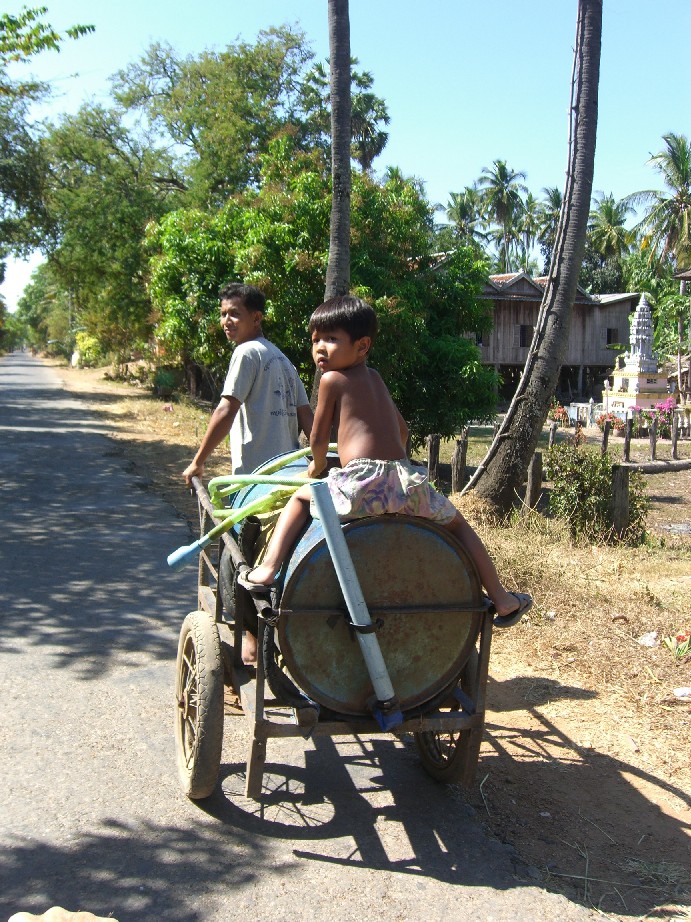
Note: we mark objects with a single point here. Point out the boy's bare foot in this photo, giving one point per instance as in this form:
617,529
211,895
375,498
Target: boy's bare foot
261,577
249,649
517,604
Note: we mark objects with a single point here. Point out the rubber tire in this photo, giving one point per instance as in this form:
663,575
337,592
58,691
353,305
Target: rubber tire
441,754
199,705
226,578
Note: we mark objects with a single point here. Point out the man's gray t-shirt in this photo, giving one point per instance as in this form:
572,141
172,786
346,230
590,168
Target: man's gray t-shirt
269,390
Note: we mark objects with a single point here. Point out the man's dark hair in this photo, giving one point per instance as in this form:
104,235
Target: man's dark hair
252,298
348,313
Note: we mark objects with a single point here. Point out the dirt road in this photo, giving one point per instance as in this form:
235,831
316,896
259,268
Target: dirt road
91,814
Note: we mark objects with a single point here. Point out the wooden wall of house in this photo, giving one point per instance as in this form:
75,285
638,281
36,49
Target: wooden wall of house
587,341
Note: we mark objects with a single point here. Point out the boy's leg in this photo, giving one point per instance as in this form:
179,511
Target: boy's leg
504,602
290,523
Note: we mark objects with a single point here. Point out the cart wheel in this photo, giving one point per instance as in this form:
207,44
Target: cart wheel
199,705
226,581
442,754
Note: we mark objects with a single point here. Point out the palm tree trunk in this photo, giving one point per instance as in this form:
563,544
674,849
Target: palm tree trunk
502,472
338,270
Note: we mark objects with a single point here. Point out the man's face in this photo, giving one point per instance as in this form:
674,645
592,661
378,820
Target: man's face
240,324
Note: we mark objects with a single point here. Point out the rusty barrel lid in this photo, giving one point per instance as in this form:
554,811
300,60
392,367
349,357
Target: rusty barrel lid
423,594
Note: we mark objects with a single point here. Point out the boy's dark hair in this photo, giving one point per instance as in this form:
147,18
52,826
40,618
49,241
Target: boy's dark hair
252,298
348,313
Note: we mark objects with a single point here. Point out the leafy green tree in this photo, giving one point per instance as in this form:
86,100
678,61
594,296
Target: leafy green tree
22,172
277,237
22,37
502,192
666,225
220,109
44,311
104,187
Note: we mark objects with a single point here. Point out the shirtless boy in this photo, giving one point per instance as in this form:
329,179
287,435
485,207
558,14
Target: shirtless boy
375,477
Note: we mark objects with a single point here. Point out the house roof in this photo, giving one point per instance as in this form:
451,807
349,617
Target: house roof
684,274
519,286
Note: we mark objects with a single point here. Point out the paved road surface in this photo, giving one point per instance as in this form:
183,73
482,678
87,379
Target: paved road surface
91,815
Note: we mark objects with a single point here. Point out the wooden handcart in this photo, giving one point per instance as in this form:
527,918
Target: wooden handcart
433,625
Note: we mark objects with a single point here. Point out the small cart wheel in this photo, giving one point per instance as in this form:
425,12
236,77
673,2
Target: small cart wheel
199,705
443,755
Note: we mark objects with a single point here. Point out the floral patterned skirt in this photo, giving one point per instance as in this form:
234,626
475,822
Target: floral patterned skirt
366,487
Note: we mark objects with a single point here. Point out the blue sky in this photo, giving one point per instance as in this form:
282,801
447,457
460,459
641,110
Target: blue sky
466,83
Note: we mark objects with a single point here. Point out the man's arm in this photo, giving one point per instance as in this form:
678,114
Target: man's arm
305,419
217,430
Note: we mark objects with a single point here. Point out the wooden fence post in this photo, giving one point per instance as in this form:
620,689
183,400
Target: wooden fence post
552,433
533,489
653,438
433,457
458,459
605,436
620,499
675,435
628,432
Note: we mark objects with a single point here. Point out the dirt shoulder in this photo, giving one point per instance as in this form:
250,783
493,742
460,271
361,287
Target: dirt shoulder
585,765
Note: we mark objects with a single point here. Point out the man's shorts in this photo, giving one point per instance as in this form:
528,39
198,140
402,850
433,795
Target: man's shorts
366,487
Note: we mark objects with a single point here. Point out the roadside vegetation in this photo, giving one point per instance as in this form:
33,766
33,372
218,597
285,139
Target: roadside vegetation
143,206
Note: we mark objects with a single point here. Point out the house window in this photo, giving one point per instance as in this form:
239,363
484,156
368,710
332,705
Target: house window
478,339
525,336
612,335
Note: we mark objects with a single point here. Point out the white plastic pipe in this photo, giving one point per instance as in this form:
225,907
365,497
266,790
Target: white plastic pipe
352,593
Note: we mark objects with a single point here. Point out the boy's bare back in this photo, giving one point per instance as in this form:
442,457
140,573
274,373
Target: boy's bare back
358,403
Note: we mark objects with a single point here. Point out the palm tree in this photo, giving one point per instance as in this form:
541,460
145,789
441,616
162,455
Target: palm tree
464,209
501,473
608,234
550,209
666,226
501,196
338,269
529,227
368,113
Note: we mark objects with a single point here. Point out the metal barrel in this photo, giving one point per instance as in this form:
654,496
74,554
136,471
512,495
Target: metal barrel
423,595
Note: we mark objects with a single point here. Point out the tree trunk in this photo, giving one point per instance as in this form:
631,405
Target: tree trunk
338,270
500,475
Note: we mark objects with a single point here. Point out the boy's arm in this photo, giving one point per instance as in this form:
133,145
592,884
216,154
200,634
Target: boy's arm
323,422
218,428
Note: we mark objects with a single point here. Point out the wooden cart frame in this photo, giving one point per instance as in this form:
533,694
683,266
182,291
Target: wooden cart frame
209,660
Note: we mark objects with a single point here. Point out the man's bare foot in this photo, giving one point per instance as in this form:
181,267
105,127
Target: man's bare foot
249,649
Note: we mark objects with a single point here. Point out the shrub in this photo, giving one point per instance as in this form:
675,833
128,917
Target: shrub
582,494
615,421
89,349
558,413
663,413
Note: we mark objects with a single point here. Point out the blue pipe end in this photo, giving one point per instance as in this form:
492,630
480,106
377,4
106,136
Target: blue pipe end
386,719
178,559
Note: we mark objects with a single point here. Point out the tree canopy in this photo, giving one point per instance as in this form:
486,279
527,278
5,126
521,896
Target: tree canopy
277,236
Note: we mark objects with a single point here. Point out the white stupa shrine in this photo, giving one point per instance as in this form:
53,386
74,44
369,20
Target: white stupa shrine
636,379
